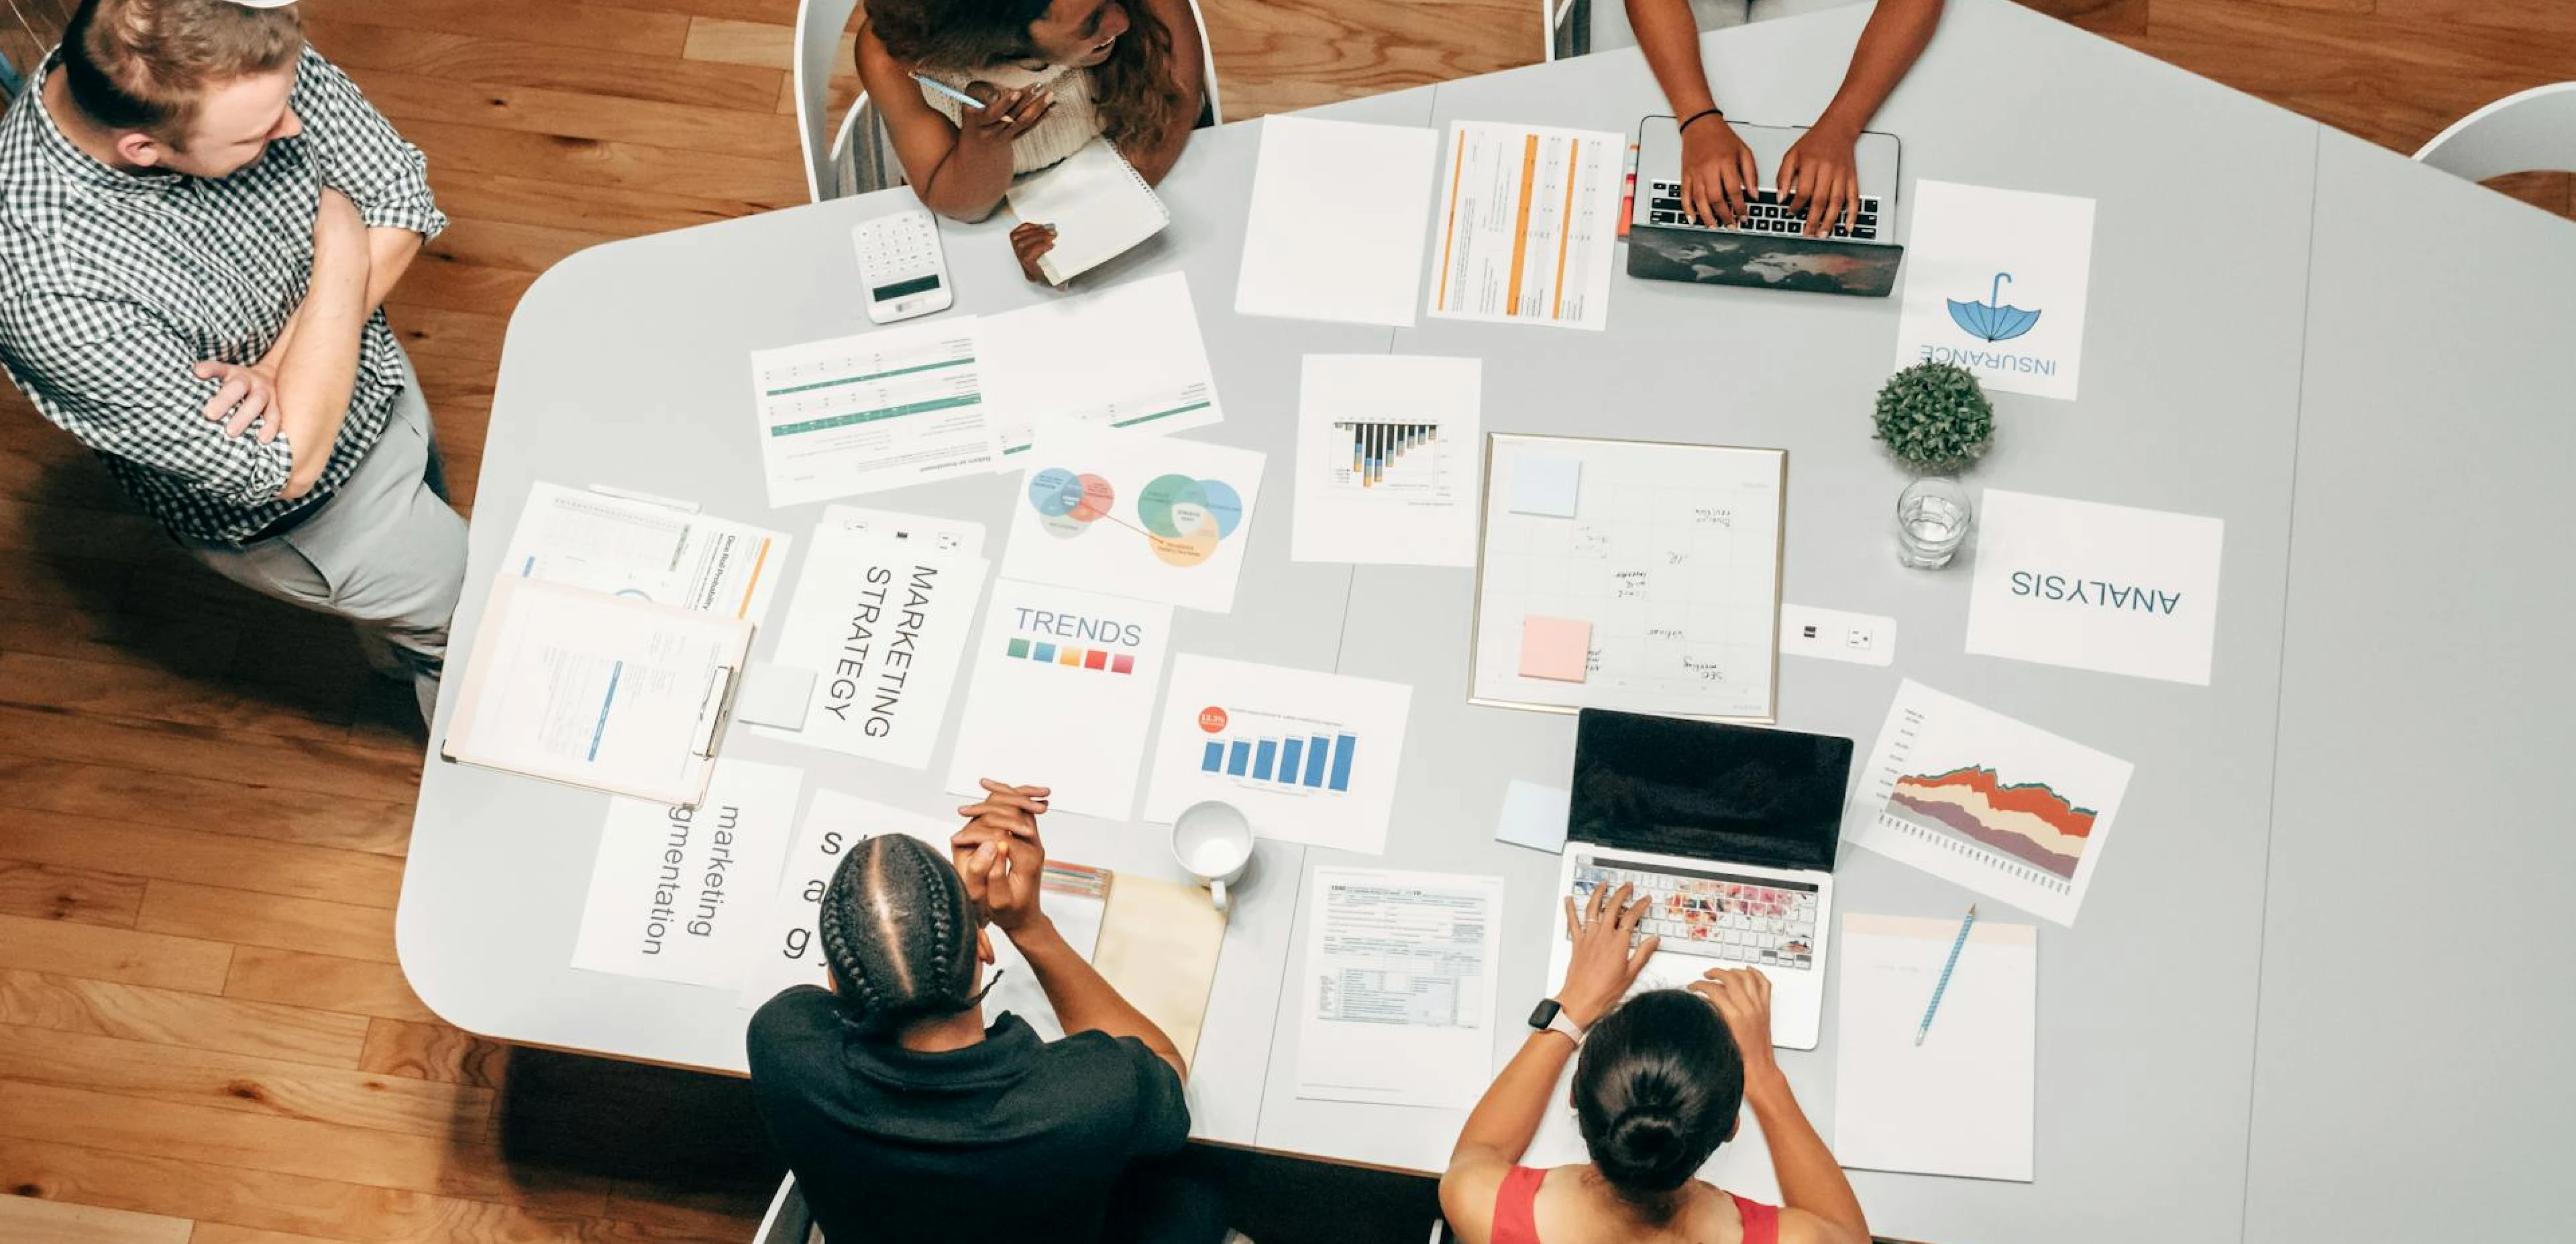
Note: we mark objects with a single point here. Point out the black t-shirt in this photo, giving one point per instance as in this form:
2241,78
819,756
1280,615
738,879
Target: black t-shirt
1012,1138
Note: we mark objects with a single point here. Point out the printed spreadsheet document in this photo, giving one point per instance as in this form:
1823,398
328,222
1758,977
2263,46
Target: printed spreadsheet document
1528,221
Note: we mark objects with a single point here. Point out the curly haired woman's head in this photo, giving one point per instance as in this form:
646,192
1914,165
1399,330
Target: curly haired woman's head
1121,43
1656,1090
899,934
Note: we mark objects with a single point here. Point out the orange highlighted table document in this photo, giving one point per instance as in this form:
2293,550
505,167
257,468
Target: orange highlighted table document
1528,220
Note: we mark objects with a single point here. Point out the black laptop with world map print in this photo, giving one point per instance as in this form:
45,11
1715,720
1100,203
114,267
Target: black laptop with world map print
1766,248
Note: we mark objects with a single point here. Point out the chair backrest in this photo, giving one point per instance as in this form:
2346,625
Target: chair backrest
1212,112
819,24
2532,131
788,1221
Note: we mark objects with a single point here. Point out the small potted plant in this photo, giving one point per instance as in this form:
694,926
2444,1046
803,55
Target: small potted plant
1935,418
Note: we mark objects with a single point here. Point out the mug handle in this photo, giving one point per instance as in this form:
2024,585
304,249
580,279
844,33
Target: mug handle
1216,891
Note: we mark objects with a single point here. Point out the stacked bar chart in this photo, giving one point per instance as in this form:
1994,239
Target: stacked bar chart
1319,762
1377,448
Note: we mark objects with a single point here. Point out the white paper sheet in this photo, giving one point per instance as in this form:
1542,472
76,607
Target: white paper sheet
1389,451
2097,587
1995,281
647,551
1398,997
881,623
1064,687
1961,1103
683,895
1308,757
1529,220
962,537
596,690
1151,518
883,409
1999,806
1337,220
1126,359
1673,556
788,954
1535,816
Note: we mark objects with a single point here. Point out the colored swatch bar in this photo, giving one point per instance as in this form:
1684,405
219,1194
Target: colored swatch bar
1076,658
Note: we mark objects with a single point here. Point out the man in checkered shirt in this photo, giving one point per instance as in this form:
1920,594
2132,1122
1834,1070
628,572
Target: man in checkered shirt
199,221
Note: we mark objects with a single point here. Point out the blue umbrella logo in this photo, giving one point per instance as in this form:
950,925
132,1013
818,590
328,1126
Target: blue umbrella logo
1992,321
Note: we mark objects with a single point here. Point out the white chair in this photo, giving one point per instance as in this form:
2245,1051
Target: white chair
855,154
788,1221
2531,131
1579,27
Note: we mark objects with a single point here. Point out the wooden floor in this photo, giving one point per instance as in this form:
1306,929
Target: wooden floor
203,1032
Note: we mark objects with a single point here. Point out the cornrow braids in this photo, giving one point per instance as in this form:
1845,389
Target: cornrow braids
898,932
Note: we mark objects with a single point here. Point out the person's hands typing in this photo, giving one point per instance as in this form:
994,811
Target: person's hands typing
1818,177
1718,173
1742,997
1604,965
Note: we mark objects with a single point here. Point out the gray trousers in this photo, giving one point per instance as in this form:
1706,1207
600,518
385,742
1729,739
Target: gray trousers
385,552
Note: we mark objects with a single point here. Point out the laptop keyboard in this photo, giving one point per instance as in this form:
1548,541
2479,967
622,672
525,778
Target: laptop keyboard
1762,214
1715,915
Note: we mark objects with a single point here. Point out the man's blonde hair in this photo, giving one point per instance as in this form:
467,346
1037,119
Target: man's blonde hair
147,64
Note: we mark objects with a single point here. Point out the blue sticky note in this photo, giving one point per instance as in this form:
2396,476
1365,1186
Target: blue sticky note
1546,486
1534,816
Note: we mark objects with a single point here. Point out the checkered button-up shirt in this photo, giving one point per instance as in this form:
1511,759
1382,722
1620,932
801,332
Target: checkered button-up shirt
113,285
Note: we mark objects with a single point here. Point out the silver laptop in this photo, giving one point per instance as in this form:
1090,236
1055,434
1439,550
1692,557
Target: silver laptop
1766,248
1730,832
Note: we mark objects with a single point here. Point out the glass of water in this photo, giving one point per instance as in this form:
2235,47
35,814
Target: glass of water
1932,517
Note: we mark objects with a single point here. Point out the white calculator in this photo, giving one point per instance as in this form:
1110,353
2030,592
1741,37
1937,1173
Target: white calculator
901,265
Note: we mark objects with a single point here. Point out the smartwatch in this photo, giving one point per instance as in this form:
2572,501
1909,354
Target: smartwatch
1548,1016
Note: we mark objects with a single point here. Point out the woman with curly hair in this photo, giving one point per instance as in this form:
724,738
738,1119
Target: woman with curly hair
1052,75
906,1118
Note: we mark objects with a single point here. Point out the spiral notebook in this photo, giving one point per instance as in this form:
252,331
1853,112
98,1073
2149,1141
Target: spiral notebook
1100,207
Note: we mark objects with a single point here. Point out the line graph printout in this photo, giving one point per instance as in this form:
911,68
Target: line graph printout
873,411
1528,221
1997,805
1670,552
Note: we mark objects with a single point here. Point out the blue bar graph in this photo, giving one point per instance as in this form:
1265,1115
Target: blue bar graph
1317,752
1242,757
1262,756
1342,746
1289,751
1215,761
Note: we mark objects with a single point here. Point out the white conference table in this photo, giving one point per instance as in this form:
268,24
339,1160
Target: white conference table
2373,432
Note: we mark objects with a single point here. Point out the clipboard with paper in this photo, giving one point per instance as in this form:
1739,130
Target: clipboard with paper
606,692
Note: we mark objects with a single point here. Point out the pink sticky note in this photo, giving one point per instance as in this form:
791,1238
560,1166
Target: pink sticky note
1558,648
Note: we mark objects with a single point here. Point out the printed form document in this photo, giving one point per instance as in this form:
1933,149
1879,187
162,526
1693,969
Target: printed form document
878,410
1398,998
1528,221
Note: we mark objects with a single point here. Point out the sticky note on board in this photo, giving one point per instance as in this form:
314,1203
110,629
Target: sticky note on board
1557,648
1546,486
1535,816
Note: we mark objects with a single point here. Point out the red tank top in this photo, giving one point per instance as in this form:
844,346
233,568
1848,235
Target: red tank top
1516,1211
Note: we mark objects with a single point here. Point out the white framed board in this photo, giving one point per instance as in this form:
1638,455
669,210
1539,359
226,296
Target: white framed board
1636,575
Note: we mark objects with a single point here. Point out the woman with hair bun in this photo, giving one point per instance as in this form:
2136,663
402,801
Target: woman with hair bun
1659,1081
906,1118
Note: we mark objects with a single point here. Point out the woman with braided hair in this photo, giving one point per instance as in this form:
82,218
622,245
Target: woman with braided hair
907,1118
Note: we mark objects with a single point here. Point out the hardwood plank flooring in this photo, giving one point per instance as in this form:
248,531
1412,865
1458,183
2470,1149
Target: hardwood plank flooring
204,1036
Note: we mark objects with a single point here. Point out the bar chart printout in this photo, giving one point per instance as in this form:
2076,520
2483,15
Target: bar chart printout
1388,455
1307,757
1528,219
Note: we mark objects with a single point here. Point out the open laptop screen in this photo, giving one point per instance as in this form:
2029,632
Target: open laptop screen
1708,791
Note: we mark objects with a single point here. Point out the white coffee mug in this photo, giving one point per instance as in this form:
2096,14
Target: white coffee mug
1213,842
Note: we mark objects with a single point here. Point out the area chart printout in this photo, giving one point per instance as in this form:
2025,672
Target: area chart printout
1386,460
2004,808
1397,1004
874,411
1308,757
1528,221
646,550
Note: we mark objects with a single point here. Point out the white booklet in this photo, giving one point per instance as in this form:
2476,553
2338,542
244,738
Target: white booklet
1100,207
